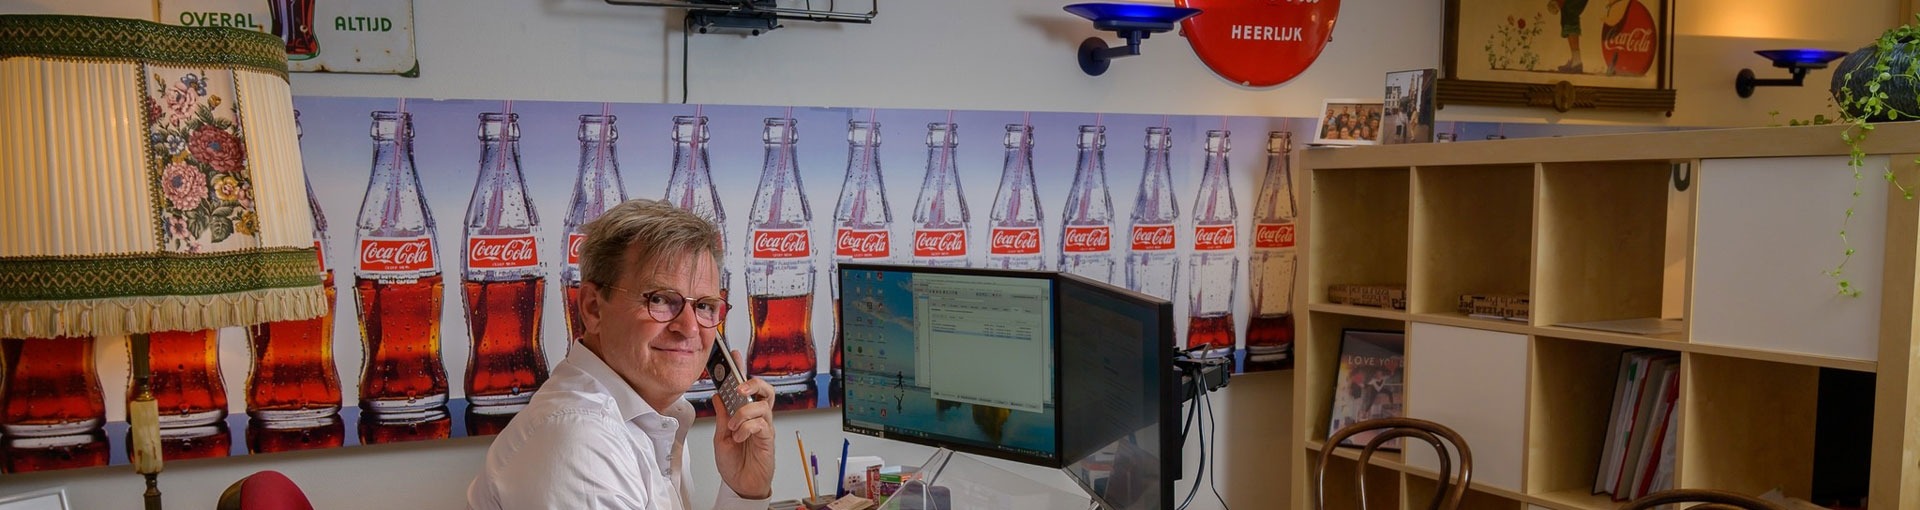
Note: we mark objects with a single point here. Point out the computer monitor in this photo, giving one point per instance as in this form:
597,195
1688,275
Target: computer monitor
951,357
1119,409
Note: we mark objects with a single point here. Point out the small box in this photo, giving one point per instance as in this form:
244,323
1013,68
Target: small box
1378,296
1512,307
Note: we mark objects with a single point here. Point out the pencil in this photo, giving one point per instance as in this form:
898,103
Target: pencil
803,465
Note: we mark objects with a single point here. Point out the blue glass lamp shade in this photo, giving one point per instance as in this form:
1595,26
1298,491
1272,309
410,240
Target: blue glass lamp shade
1115,16
1801,57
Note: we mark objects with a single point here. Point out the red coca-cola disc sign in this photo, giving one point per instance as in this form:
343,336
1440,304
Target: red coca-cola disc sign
1627,39
1259,43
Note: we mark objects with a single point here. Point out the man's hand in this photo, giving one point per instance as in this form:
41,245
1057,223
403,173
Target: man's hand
743,444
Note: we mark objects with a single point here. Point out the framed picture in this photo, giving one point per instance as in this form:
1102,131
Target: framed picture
1563,54
1408,111
1370,383
44,499
1349,122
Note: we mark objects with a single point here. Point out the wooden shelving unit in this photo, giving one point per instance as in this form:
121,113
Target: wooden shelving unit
1593,229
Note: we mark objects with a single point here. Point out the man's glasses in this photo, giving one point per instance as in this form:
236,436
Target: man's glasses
665,305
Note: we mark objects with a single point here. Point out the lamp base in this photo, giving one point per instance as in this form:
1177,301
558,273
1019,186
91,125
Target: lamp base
1093,58
1743,84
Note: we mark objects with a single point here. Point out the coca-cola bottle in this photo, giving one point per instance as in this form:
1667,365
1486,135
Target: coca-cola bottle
1014,235
862,222
1273,265
398,286
503,282
50,388
780,267
690,187
1153,261
1215,270
293,375
940,218
596,189
1086,225
187,383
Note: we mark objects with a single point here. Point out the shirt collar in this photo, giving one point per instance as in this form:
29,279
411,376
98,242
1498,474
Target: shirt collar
632,406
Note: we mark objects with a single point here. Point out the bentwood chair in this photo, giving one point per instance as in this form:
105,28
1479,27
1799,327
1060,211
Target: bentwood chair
1453,484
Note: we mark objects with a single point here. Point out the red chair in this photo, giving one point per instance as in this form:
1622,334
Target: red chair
265,490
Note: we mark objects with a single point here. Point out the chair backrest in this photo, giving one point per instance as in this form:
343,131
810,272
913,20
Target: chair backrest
1453,484
1714,499
265,490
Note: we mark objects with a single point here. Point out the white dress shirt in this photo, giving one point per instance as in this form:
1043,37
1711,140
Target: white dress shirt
587,440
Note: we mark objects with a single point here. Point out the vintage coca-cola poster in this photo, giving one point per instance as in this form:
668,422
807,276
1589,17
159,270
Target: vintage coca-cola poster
450,230
1586,53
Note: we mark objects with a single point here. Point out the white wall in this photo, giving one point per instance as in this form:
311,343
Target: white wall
976,54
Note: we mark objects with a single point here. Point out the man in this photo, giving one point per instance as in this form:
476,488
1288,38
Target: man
609,427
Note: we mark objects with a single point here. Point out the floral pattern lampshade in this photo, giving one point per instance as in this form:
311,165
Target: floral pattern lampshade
150,180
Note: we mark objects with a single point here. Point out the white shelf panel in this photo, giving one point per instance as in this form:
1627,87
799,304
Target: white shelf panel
1767,228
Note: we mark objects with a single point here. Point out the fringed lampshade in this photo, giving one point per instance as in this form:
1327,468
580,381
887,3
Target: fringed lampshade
150,180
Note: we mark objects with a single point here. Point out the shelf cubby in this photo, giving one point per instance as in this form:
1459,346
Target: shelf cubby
1748,425
1321,360
1362,224
1383,485
1472,233
1601,252
1570,409
1421,489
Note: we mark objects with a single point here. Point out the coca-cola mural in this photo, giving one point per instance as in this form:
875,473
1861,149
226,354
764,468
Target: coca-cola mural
454,243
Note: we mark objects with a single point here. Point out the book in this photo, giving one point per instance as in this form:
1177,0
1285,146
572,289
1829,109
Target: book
1379,296
1370,383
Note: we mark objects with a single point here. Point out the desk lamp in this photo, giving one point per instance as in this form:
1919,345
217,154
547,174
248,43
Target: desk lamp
1797,61
1132,22
150,180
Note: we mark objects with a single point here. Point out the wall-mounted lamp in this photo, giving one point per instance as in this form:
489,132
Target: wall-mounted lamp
1797,61
1130,21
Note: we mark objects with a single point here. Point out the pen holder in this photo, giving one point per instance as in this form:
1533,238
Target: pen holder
817,503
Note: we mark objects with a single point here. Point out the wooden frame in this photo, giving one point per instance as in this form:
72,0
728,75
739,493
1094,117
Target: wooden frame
1514,53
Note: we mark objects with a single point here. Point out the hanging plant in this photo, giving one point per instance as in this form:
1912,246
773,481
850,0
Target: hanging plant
1878,83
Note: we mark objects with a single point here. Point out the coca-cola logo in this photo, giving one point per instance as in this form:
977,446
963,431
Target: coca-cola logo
1015,241
573,248
1085,239
396,255
940,243
1636,40
781,244
861,244
501,252
1273,235
1153,237
1213,238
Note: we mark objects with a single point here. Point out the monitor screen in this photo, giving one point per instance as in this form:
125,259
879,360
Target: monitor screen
1118,407
949,357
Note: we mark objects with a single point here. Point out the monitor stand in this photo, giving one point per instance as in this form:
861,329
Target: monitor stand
951,480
